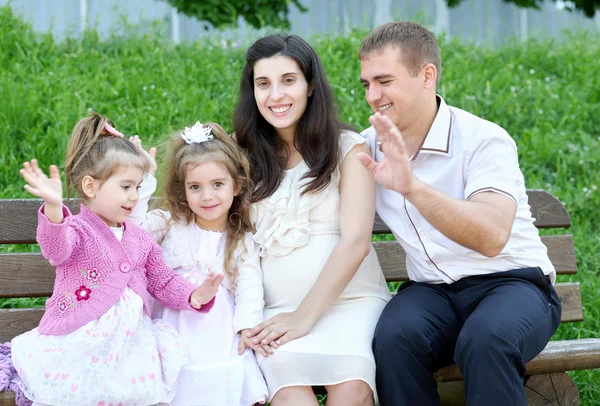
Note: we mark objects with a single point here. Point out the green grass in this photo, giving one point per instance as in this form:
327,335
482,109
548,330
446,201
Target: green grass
546,94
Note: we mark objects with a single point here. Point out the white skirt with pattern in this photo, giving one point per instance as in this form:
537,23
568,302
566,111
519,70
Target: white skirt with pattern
122,358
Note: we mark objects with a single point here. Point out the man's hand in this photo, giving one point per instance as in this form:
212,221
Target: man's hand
393,171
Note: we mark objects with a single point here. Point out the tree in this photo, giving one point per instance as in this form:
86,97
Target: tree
588,7
222,13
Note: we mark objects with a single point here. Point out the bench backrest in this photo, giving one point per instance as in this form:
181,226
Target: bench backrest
30,275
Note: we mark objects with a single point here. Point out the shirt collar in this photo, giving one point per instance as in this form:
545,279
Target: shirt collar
437,140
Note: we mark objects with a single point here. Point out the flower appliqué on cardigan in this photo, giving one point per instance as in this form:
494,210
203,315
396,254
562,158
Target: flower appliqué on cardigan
82,293
93,274
63,306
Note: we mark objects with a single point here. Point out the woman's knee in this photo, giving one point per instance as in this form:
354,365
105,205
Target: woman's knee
295,395
355,392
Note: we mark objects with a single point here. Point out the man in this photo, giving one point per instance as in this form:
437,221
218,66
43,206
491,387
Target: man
449,187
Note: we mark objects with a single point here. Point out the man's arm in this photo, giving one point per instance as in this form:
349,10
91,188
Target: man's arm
481,223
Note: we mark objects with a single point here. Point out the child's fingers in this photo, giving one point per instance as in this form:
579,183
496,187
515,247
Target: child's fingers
241,347
152,153
32,190
28,176
267,349
195,303
36,168
27,169
218,279
54,174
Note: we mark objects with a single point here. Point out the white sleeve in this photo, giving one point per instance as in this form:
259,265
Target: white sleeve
492,165
249,295
156,221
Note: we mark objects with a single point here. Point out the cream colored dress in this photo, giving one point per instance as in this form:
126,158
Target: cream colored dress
296,234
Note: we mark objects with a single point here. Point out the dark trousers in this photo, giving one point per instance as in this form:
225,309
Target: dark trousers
490,326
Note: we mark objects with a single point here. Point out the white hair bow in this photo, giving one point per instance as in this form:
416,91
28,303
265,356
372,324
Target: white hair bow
197,134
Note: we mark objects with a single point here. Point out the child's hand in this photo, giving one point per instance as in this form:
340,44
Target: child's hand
49,189
246,342
150,154
206,291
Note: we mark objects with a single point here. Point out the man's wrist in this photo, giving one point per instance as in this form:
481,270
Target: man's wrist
416,187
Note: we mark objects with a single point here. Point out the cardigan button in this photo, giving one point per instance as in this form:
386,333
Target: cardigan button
125,267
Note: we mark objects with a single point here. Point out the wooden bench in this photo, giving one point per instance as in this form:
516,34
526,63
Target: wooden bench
30,275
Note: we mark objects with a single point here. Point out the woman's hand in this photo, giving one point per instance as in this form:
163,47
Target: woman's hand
281,329
150,155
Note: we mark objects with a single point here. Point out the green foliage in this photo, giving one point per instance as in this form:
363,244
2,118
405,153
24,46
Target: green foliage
545,93
588,7
222,13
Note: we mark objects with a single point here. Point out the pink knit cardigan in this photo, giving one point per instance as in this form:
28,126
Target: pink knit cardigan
93,268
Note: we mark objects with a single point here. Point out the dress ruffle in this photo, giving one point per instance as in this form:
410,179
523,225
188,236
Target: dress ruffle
285,224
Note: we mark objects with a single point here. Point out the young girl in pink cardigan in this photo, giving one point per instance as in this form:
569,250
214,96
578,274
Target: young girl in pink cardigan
204,226
96,344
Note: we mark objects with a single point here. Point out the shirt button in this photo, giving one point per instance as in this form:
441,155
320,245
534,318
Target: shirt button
125,267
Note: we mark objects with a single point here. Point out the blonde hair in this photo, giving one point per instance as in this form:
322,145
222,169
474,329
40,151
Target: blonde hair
92,151
225,151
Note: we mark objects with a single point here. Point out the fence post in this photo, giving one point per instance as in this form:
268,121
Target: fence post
382,12
523,31
83,15
442,18
175,26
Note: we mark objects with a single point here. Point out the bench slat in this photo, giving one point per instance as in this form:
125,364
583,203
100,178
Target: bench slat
30,275
19,219
16,321
393,259
558,356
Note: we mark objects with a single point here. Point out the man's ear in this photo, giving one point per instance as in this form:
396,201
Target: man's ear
89,186
430,75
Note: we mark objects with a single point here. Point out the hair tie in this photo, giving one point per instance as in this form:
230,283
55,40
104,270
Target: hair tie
112,130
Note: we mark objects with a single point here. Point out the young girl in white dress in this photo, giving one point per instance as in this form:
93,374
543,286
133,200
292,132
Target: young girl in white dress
96,344
204,226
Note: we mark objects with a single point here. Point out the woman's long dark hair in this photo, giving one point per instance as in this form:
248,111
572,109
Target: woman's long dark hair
318,131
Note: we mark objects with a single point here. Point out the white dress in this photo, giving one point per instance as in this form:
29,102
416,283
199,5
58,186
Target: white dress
216,375
121,358
297,234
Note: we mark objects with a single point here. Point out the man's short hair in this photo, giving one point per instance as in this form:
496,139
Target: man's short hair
418,45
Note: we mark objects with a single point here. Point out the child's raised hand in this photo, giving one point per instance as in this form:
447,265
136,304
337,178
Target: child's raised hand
246,342
150,154
38,184
206,291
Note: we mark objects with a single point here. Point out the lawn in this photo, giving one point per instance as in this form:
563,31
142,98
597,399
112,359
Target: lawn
545,93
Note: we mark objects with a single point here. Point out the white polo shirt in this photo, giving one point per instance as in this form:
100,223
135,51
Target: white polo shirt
461,156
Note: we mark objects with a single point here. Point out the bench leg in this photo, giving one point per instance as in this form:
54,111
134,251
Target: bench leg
552,390
542,390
